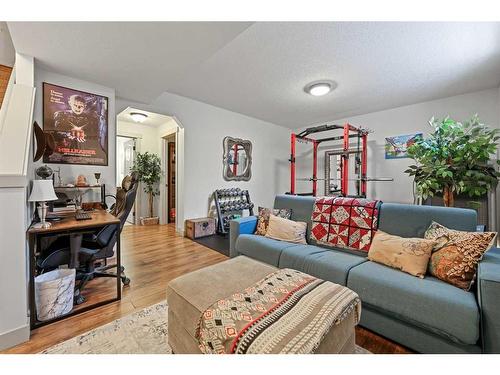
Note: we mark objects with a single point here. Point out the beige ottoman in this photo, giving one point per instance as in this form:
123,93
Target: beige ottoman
188,296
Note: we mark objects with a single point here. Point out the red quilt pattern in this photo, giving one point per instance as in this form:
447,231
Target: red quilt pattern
345,222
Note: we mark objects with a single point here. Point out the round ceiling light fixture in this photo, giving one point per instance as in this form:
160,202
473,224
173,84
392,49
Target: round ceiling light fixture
138,117
320,88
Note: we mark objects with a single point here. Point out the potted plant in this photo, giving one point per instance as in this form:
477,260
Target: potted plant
455,159
148,168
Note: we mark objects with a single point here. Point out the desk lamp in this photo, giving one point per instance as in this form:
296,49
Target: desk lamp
42,191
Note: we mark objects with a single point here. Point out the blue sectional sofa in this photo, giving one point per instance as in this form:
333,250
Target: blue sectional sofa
426,315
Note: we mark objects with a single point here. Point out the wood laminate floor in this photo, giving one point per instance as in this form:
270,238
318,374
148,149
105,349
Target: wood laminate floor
152,256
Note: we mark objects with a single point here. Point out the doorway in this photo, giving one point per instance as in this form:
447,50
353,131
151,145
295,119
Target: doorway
153,132
126,148
170,161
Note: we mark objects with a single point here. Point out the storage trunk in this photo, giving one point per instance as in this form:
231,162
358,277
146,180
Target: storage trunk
202,227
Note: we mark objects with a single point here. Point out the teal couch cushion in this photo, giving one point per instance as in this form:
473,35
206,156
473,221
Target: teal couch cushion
427,303
408,220
331,265
261,248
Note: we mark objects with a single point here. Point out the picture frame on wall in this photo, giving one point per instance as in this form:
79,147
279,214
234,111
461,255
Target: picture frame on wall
78,123
397,147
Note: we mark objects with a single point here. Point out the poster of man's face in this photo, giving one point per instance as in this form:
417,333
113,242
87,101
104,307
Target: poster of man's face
78,122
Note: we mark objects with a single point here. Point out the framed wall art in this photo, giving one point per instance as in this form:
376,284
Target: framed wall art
397,147
78,123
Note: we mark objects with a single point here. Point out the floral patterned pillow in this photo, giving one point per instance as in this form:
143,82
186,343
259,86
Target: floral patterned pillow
263,220
410,255
456,256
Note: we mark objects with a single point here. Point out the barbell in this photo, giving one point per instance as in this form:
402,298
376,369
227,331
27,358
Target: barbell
380,179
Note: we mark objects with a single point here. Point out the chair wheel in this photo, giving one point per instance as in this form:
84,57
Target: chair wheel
126,281
122,268
79,299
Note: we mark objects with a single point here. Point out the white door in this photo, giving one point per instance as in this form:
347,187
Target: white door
125,156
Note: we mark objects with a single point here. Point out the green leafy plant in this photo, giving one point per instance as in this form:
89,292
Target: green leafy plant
148,168
455,159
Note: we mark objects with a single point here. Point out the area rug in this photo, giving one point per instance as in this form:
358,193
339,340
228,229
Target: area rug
143,332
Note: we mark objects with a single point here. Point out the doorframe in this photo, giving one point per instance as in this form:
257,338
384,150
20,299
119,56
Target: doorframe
163,188
179,154
138,138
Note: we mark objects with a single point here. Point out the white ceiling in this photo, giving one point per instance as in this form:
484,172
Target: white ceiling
260,69
153,119
137,59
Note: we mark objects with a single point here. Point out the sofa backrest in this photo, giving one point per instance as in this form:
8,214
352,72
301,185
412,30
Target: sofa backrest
301,207
404,220
408,220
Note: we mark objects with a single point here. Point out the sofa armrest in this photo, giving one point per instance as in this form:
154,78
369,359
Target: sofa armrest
244,225
488,294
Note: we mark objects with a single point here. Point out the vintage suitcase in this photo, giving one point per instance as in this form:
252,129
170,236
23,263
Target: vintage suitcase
202,227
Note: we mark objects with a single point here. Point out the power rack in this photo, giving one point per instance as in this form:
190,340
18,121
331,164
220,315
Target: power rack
348,132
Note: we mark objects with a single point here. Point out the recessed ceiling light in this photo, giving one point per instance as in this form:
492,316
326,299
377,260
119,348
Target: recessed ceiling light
319,88
138,117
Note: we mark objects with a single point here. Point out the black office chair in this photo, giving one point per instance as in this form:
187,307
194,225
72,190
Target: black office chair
96,246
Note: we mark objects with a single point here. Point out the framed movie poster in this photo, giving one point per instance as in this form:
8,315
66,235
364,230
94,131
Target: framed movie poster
78,122
397,147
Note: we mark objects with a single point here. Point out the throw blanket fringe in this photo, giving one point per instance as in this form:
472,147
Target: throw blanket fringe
286,312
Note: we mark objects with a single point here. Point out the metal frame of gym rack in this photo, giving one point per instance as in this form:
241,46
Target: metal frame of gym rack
349,131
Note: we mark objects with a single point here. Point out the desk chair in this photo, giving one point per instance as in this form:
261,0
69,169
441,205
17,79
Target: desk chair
97,246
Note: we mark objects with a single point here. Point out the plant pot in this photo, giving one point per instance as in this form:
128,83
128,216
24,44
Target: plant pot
150,220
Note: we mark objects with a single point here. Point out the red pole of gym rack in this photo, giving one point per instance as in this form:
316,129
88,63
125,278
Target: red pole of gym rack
344,166
292,164
364,164
315,167
235,159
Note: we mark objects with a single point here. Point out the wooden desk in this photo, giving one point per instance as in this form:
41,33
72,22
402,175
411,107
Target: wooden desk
74,229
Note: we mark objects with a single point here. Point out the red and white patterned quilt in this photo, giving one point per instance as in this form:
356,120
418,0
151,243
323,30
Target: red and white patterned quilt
345,222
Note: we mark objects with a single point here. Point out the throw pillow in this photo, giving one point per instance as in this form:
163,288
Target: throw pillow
263,220
409,255
457,254
286,230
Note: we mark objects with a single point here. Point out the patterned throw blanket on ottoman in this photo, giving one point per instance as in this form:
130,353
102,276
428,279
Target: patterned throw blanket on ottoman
286,312
345,222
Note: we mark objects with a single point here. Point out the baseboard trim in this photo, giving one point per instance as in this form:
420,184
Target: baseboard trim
14,337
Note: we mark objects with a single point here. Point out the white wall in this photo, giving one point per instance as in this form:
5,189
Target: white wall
69,172
7,51
148,135
205,126
398,121
15,137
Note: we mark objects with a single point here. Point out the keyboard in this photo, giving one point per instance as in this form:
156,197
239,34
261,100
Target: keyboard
82,215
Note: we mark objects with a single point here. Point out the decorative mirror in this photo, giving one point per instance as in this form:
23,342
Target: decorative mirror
333,161
237,159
